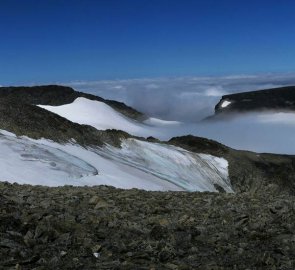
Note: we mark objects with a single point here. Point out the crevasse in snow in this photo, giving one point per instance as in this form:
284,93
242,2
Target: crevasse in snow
190,171
25,161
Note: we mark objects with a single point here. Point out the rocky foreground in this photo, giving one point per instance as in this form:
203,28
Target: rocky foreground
107,228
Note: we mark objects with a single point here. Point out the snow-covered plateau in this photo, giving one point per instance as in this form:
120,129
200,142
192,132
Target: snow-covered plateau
137,164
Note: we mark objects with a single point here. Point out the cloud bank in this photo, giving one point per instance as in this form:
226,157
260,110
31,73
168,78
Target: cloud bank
191,99
187,99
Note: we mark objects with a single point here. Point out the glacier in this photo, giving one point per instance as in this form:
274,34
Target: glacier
137,164
27,162
190,171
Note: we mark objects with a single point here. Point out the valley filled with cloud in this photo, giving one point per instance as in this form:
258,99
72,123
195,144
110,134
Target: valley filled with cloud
189,100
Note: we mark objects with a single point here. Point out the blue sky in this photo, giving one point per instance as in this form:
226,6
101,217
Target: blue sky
58,40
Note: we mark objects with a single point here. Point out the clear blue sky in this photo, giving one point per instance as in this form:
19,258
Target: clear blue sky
59,40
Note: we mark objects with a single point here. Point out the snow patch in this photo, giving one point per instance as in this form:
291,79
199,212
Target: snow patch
101,116
94,113
96,254
225,103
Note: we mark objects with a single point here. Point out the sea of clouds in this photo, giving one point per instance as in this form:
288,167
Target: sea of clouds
186,99
191,99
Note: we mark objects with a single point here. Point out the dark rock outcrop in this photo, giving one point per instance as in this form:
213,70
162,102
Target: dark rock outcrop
279,99
107,228
200,145
56,95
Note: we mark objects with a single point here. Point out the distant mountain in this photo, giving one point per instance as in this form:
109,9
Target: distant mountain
57,95
278,99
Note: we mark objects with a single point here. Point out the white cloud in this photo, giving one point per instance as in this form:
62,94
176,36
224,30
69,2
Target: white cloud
287,118
118,87
188,99
215,92
152,86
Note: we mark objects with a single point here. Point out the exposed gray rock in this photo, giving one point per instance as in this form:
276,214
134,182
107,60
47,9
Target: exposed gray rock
136,229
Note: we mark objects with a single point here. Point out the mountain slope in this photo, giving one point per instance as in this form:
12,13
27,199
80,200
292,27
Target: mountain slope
278,99
59,95
43,162
188,170
261,170
102,116
246,170
101,150
102,227
26,162
136,164
34,122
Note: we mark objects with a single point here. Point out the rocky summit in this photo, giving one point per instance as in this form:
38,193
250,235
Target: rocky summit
107,228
